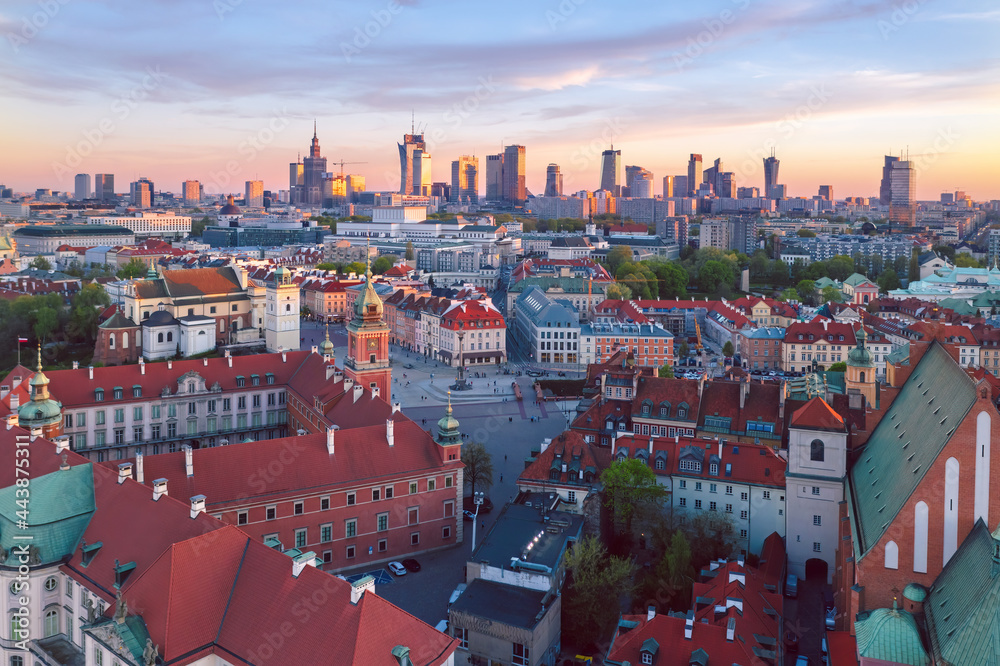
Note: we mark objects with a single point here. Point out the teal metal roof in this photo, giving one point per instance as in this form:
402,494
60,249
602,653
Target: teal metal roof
915,592
59,509
963,606
854,279
900,355
959,306
907,441
132,632
890,635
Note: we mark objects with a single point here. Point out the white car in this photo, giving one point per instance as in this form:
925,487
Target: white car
456,594
397,568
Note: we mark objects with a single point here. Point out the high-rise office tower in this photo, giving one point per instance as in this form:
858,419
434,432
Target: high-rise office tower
514,190
81,186
465,179
826,192
885,187
694,174
296,181
313,172
141,193
713,176
553,181
420,168
355,186
494,177
408,166
104,186
191,192
253,196
681,187
727,185
668,186
638,182
903,193
770,175
611,171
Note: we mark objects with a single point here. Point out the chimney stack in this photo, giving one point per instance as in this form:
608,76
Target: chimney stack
76,365
358,391
142,366
329,439
159,489
348,384
229,359
35,433
170,364
90,371
124,472
650,613
197,506
389,424
138,468
359,587
188,459
15,402
284,355
396,407
689,625
204,361
301,561
331,371
314,349
375,391
11,420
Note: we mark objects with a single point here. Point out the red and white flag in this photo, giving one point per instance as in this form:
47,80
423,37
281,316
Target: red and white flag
22,339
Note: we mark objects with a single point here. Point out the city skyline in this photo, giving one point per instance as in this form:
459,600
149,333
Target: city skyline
838,87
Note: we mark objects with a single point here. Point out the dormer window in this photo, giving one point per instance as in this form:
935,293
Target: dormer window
117,393
659,464
713,469
99,395
645,410
255,380
136,391
241,381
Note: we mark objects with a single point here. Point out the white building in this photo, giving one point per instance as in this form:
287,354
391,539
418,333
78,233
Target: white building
150,223
281,319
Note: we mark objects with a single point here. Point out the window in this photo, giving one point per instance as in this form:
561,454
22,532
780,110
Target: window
571,497
729,508
119,416
383,522
16,661
817,520
767,494
415,538
351,499
697,485
697,504
324,503
51,622
729,490
51,583
743,534
388,492
712,506
712,488
376,494
241,518
99,394
383,545
521,656
271,512
117,392
413,515
816,450
326,533
449,508
301,537
350,552
431,484
816,547
713,469
647,658
351,528
413,487
683,484
682,501
446,532
241,402
815,490
449,481
298,509
743,515
98,656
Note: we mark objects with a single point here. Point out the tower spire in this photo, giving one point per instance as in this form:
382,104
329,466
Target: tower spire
314,128
39,356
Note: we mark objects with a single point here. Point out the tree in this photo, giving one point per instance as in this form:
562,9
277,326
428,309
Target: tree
618,292
840,267
617,256
41,263
355,267
713,274
683,350
326,266
673,279
627,484
478,466
789,295
888,280
666,372
198,226
727,349
595,586
46,321
669,585
86,307
806,290
946,251
805,233
712,535
382,264
410,253
830,294
840,366
963,260
780,272
133,269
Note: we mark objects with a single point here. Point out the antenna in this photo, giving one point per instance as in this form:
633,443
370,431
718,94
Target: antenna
413,118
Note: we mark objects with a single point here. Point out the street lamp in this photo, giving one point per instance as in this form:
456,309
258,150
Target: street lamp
477,499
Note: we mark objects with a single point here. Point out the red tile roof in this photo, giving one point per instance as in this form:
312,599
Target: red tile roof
817,415
572,449
750,463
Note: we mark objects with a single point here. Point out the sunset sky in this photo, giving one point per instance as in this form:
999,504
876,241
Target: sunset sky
184,89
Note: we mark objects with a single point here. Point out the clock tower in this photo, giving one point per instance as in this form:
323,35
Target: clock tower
367,360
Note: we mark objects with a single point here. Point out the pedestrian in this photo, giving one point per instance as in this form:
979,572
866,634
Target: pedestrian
505,457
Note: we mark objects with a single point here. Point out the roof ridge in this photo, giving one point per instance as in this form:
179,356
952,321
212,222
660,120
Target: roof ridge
232,589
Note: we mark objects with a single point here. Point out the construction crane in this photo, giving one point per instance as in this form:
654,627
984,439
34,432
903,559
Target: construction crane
342,163
697,331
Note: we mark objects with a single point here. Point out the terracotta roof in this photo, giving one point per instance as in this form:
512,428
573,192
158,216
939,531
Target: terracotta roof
817,415
675,391
579,456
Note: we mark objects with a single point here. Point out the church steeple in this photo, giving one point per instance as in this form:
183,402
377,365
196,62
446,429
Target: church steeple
448,432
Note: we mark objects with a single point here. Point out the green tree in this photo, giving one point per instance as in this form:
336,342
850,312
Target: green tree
133,269
805,233
727,349
478,466
806,290
830,294
666,372
914,268
713,274
712,535
85,307
629,483
683,350
779,272
840,366
962,260
355,267
789,295
383,263
410,253
46,322
618,292
41,263
840,267
672,278
888,280
669,585
198,226
617,256
596,584
326,266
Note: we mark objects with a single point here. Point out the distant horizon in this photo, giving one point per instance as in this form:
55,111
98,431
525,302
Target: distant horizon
186,89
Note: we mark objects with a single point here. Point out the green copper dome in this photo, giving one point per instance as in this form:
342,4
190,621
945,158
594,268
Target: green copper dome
326,347
41,409
860,357
448,433
368,305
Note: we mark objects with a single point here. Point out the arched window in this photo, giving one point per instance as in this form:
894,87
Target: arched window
862,377
159,337
17,661
817,450
125,340
554,475
111,341
891,555
170,337
51,622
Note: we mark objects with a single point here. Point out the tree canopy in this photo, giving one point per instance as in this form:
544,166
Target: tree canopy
478,466
628,484
135,268
596,584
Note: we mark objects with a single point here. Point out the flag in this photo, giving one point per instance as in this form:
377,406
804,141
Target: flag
22,339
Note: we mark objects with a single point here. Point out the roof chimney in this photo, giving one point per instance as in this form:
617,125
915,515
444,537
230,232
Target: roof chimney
689,625
35,433
170,364
402,655
124,472
15,402
138,468
188,459
359,587
331,371
204,361
142,366
650,613
395,407
358,391
375,392
314,349
744,392
329,439
11,420
389,437
76,365
229,359
90,371
197,506
731,629
159,489
284,356
348,383
301,561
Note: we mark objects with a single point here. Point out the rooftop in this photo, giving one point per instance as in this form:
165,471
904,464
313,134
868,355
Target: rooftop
517,526
511,605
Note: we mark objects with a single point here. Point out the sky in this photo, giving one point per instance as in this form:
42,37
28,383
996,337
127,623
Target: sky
224,91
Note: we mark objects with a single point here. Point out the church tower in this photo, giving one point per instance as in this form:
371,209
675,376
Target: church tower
41,411
367,360
860,375
281,314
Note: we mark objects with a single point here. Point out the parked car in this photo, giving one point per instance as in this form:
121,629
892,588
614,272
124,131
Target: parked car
791,641
411,565
397,568
468,515
802,660
456,594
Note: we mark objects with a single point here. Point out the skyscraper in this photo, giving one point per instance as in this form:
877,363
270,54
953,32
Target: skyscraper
885,188
638,182
494,177
296,180
668,186
902,192
726,185
313,171
192,192
81,186
408,166
713,176
104,186
254,194
770,175
553,181
514,190
611,171
141,193
694,174
826,192
421,170
681,186
465,179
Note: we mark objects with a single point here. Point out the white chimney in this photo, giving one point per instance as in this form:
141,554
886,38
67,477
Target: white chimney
229,359
301,561
15,402
138,468
11,420
315,349
76,365
35,433
142,367
731,629
159,489
170,364
358,392
689,625
90,371
348,383
375,391
338,376
197,506
331,371
650,613
396,407
359,587
124,472
329,439
284,355
204,361
388,432
188,459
